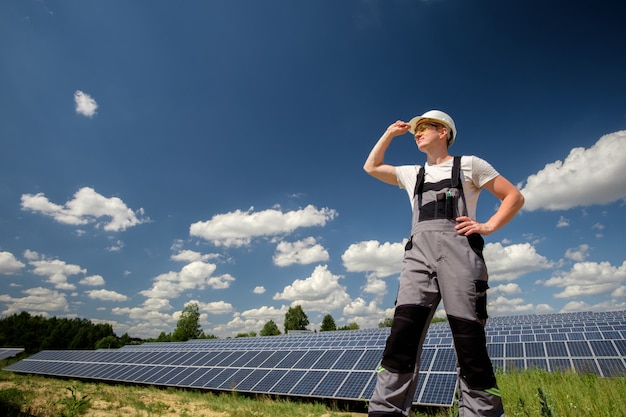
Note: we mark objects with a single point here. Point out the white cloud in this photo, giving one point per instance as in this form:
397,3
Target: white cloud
501,306
506,289
38,300
9,265
86,206
116,247
106,295
370,256
93,280
267,313
588,278
195,275
191,256
85,104
303,252
578,254
586,177
563,222
238,228
506,263
259,290
57,272
319,292
366,315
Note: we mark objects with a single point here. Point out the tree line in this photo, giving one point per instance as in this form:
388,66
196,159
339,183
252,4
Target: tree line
35,333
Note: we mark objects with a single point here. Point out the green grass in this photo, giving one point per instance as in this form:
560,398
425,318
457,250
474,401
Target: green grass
525,394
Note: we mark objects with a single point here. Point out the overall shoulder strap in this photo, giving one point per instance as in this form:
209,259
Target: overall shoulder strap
456,172
419,185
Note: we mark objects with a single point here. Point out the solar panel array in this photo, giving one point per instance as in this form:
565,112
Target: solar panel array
10,352
341,364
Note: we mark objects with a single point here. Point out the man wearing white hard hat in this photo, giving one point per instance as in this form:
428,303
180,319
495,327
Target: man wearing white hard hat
443,261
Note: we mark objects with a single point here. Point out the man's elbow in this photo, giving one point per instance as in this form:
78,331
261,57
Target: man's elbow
369,168
519,200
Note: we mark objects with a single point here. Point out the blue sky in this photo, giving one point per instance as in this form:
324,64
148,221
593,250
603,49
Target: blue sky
155,153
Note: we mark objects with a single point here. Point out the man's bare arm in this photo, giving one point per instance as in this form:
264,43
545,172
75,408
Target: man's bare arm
375,163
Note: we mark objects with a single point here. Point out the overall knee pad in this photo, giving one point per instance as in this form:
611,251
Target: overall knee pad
471,352
409,322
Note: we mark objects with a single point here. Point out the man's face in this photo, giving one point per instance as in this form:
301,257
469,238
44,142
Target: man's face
428,132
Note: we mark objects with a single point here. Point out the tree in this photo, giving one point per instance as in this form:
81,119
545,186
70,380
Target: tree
109,342
328,323
386,323
295,319
350,326
249,334
188,326
270,329
164,337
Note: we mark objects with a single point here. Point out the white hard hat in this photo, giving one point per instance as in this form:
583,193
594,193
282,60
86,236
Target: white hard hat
436,116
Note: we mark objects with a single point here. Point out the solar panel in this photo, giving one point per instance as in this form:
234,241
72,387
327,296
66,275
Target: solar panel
341,364
10,352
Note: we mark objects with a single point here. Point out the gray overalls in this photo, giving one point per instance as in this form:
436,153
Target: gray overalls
439,264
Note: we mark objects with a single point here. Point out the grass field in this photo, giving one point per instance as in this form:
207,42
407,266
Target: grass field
525,394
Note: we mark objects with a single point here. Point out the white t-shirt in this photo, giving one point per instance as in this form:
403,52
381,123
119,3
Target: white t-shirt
475,173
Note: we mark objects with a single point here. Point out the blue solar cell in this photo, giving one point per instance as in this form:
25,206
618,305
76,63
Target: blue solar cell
188,380
308,359
512,365
370,360
243,359
330,383
206,377
94,370
621,346
585,366
612,367
556,349
180,357
445,360
559,365
498,364
603,348
495,350
353,385
328,359
421,381
232,382
439,389
227,359
348,359
535,349
174,371
156,375
514,350
283,359
579,349
426,358
576,336
129,370
537,363
593,336
307,383
269,380
219,379
259,359
251,380
286,383
143,373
